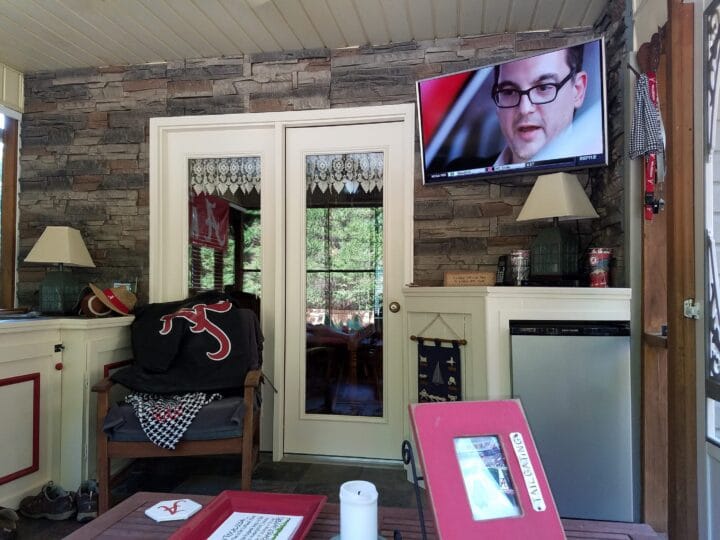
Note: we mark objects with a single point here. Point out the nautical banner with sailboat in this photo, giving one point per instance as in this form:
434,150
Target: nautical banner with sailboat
438,371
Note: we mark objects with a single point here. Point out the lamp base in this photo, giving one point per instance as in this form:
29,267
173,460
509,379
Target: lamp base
59,293
553,256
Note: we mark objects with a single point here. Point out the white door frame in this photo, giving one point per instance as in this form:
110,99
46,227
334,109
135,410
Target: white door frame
169,230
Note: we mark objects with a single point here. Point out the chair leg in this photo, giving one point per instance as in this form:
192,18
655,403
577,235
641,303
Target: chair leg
247,468
250,430
256,442
247,454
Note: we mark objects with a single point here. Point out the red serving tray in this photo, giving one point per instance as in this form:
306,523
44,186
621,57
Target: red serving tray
207,520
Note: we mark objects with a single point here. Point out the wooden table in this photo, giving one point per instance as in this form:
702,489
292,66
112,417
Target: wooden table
128,520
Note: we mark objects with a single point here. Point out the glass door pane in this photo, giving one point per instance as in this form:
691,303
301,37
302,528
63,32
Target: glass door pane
344,285
224,222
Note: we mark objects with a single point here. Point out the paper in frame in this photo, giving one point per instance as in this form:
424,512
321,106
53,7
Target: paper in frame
249,526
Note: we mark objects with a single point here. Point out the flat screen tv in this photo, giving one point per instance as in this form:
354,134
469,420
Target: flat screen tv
532,115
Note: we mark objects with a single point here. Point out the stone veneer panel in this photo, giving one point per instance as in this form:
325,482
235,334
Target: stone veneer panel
84,154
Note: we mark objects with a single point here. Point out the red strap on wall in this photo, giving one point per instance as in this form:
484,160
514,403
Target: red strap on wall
650,160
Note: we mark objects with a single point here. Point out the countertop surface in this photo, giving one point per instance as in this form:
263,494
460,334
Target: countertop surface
39,321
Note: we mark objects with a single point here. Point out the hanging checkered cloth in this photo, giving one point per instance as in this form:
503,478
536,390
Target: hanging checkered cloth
164,419
647,134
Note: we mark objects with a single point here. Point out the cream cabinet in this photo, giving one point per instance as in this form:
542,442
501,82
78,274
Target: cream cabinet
47,411
482,315
30,419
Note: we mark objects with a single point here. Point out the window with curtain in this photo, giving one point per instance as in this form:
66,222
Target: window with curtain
344,284
225,224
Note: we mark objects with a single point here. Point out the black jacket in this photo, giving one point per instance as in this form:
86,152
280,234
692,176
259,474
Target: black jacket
203,343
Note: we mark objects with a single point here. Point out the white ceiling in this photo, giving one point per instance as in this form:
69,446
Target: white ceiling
38,35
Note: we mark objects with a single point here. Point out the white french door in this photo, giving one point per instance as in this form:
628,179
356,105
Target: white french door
361,357
345,219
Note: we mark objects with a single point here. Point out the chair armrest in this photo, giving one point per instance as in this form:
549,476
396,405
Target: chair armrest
103,386
253,378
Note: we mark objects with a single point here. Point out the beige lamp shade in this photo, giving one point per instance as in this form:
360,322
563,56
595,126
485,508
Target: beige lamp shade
557,195
60,245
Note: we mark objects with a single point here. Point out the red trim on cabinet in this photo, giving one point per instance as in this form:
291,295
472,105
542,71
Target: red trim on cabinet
35,378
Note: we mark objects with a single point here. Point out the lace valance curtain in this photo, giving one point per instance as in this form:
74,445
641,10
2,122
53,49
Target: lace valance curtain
340,172
349,172
216,176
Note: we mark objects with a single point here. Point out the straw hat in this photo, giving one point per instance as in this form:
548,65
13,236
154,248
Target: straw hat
119,299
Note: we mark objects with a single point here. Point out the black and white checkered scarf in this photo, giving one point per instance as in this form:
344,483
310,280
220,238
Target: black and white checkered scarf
647,134
164,419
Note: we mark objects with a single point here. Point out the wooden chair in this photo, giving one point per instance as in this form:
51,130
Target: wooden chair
247,444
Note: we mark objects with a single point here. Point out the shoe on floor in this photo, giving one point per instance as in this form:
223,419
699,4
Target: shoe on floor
53,502
8,524
86,500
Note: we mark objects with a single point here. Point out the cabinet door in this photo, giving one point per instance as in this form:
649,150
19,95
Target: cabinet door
93,349
30,377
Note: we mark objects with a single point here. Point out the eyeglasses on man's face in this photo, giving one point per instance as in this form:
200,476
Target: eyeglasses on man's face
509,97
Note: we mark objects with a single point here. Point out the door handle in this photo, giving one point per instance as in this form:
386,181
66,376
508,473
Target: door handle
394,307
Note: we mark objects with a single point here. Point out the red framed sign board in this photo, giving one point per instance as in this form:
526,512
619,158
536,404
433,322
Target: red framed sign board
482,471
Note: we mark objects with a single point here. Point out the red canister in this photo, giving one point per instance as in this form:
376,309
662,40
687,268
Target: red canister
599,259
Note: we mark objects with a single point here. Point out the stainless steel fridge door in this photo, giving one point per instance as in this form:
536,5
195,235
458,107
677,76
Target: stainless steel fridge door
576,393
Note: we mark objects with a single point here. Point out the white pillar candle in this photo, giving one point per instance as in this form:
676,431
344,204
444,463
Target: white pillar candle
358,511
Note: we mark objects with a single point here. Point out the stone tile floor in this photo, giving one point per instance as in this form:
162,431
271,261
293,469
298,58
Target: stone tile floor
210,476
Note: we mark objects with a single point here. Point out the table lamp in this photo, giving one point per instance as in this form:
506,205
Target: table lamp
64,246
554,252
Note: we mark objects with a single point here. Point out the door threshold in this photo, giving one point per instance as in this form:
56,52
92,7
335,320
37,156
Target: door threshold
344,460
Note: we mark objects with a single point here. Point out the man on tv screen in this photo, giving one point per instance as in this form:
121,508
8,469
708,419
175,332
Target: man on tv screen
543,111
536,100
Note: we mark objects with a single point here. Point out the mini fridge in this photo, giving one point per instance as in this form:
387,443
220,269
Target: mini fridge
575,382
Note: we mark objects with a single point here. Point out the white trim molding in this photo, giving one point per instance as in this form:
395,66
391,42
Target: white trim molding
12,88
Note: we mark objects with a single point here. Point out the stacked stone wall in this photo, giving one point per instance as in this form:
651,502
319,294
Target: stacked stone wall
84,147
